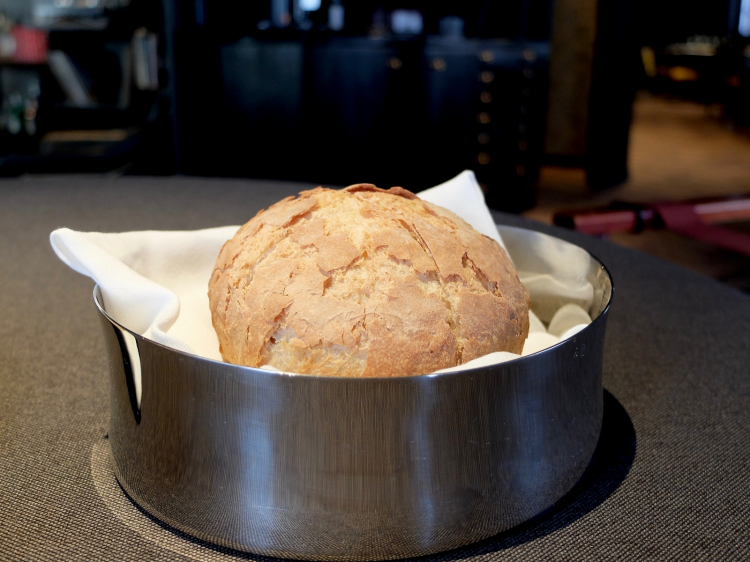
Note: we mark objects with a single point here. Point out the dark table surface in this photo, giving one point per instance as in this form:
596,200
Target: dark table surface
670,479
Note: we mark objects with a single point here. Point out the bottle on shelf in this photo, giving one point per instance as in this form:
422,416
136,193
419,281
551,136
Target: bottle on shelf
336,16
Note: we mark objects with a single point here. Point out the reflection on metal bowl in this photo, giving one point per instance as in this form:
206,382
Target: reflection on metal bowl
322,468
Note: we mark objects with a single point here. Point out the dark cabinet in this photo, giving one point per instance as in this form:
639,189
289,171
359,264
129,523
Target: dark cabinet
409,112
510,122
365,107
261,84
354,89
262,113
451,73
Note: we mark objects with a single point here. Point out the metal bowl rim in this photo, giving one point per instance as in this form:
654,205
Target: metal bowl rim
303,376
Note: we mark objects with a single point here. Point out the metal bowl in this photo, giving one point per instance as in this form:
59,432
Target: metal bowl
324,468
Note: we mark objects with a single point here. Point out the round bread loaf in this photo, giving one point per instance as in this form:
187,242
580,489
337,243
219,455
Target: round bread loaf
364,282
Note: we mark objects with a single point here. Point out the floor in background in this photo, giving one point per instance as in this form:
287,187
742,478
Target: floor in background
678,150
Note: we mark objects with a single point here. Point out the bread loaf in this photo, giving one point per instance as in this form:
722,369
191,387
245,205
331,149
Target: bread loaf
364,282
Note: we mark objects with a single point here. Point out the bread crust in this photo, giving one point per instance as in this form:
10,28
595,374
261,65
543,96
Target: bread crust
364,282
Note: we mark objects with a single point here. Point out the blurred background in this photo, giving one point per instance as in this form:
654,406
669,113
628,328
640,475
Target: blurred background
627,119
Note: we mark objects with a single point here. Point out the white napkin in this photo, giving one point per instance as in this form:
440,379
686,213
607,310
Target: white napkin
155,283
463,196
554,272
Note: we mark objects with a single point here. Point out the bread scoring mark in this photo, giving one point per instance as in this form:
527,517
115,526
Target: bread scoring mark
401,192
489,286
394,259
360,187
281,215
306,234
368,187
337,253
399,243
280,221
429,210
440,213
451,320
334,251
251,232
251,270
303,217
277,215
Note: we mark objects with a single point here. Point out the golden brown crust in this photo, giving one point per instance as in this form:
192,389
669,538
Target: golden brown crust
364,282
395,190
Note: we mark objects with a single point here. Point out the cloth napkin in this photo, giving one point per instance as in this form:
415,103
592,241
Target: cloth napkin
155,283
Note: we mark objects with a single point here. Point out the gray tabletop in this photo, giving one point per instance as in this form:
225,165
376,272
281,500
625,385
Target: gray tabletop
670,479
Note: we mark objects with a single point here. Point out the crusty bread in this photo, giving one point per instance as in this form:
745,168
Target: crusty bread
364,282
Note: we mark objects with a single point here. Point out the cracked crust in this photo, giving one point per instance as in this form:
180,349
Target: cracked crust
364,282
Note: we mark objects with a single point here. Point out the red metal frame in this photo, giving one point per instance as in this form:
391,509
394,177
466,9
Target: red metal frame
696,219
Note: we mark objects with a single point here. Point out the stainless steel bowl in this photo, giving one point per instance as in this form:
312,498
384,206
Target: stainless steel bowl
326,468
